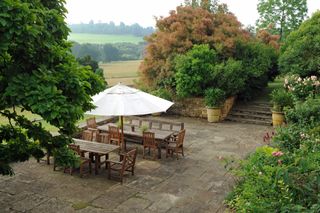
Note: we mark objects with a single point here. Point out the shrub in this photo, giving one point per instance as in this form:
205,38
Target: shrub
306,113
301,88
300,54
214,97
193,70
229,76
259,64
280,99
162,93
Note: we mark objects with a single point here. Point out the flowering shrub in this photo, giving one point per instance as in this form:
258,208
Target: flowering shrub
301,88
284,177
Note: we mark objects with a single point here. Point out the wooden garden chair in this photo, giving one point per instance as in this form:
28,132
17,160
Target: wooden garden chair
92,126
126,163
175,144
149,142
114,135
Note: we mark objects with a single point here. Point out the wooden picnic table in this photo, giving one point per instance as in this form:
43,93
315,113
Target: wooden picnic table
95,148
160,135
135,134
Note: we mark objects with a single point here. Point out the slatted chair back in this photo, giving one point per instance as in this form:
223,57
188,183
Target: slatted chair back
129,160
75,148
87,135
91,123
104,138
180,137
149,139
114,135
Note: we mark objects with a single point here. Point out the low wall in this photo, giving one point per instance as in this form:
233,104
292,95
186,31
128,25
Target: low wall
189,107
195,107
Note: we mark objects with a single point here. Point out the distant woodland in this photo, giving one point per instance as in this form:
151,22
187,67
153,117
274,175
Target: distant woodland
109,52
111,28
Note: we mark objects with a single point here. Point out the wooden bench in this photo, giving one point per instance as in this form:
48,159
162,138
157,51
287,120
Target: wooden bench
139,122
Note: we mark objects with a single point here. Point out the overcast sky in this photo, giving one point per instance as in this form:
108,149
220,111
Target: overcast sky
143,11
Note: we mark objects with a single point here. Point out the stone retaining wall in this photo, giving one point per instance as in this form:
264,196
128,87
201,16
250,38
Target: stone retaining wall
190,107
195,107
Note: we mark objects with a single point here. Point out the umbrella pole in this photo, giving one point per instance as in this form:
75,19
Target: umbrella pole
122,136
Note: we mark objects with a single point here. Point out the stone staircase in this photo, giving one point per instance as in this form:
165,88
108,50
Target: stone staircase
256,112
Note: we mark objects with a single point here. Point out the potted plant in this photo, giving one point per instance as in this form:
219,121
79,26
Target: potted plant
280,99
214,98
144,128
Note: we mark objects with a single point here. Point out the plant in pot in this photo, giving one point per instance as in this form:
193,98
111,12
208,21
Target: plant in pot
214,98
280,99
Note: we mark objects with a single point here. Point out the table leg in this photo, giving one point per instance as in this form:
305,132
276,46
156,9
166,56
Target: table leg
96,163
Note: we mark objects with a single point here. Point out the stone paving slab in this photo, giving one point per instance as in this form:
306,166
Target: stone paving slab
196,183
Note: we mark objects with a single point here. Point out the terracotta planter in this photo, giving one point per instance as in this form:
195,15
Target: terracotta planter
213,114
277,118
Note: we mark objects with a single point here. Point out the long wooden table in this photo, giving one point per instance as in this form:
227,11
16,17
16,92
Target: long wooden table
136,134
95,148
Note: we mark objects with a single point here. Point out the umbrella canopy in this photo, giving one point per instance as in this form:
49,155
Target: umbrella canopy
121,100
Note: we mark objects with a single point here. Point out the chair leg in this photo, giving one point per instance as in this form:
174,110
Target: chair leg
182,151
143,153
81,170
155,153
90,170
109,171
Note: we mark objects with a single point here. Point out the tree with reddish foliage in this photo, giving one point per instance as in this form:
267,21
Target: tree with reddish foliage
177,33
266,36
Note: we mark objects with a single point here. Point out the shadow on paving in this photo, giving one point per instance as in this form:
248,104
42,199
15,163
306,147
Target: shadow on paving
196,183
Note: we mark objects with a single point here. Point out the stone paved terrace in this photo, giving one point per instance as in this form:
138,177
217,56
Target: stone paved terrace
196,183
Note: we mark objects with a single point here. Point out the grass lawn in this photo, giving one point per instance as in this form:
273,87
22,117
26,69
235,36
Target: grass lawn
121,71
103,38
30,116
265,94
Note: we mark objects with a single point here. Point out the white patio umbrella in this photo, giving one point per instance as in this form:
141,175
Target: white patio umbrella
121,100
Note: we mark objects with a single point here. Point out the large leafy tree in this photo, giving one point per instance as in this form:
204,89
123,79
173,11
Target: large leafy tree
177,33
39,74
284,15
301,52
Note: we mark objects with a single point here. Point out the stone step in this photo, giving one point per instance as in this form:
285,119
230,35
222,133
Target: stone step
249,121
259,116
251,111
252,107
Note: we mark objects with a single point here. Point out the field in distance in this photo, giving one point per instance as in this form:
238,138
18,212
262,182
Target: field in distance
103,38
121,71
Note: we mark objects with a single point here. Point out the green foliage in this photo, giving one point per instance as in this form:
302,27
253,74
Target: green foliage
306,113
214,97
109,52
302,88
162,93
65,157
284,177
285,16
39,74
280,99
193,70
88,61
229,76
300,53
259,65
